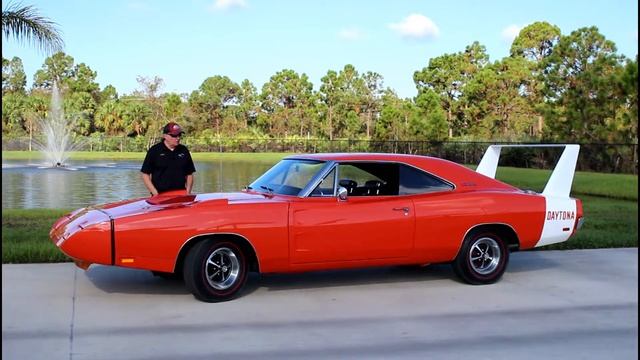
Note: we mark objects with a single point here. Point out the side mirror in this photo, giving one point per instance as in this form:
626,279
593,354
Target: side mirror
342,193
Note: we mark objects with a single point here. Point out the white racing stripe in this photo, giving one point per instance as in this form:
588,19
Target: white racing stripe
559,219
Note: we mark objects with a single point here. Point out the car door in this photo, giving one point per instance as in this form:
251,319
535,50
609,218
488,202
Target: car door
325,229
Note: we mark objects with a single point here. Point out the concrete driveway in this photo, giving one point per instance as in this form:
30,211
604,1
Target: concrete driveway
578,304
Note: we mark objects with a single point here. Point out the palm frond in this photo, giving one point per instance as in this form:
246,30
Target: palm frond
23,23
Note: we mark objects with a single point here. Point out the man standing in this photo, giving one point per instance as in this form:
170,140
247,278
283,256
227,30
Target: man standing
168,164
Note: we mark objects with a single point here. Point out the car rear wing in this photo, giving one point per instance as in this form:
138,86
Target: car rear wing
558,185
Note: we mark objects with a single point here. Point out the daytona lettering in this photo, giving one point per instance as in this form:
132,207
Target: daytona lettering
560,215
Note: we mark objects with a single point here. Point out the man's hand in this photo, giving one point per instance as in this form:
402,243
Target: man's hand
189,183
146,179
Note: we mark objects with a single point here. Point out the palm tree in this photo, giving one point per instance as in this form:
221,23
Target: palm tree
23,23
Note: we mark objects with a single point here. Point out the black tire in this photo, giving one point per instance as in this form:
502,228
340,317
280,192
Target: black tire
218,280
482,259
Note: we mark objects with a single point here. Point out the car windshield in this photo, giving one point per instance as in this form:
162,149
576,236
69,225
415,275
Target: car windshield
288,177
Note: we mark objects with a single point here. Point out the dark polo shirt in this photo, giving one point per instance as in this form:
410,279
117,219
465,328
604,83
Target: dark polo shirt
168,169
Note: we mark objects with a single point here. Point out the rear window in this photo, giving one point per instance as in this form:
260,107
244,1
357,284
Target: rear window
414,181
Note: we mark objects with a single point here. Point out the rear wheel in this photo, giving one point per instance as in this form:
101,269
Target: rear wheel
215,270
482,259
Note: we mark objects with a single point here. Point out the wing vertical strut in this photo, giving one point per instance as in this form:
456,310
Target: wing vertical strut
558,185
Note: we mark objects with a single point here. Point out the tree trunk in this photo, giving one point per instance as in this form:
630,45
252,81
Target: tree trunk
301,122
30,134
330,123
369,124
449,122
540,124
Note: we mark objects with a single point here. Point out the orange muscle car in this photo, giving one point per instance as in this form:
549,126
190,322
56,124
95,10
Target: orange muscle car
330,211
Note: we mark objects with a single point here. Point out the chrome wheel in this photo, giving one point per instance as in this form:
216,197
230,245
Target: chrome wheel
222,268
484,255
215,270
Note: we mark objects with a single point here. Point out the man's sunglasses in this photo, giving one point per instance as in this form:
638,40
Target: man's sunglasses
175,136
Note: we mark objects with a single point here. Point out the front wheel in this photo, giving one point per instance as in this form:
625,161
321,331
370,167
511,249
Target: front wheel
215,270
482,259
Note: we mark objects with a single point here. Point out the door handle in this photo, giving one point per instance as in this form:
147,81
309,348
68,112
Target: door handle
405,209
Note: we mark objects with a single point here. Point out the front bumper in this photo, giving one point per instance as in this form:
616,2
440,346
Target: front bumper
86,236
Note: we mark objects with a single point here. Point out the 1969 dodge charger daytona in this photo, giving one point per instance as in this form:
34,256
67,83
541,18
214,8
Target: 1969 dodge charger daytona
330,211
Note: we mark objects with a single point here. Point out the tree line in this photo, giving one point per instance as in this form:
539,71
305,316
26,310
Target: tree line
552,87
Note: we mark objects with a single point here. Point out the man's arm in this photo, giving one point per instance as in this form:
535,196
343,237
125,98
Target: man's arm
146,178
190,169
189,183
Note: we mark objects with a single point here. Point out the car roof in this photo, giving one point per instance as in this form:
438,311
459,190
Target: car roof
455,173
424,162
357,156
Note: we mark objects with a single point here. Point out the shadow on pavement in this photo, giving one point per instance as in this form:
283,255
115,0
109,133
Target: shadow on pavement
113,279
123,280
535,260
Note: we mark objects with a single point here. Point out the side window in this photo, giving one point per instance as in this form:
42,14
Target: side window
414,181
369,178
326,186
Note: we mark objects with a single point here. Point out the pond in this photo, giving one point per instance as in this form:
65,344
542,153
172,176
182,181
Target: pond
83,183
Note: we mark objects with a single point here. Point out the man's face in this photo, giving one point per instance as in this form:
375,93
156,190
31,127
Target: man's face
172,140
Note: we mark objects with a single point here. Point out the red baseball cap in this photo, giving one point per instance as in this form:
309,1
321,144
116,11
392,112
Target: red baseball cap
172,129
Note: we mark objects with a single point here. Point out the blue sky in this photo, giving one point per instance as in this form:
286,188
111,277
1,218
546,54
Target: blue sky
184,42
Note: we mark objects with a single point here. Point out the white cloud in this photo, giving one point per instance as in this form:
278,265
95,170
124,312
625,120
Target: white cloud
416,26
511,32
228,4
351,34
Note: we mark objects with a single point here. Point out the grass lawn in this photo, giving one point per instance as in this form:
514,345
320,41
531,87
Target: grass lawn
617,186
25,236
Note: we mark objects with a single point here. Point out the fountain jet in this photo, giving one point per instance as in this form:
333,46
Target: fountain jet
57,131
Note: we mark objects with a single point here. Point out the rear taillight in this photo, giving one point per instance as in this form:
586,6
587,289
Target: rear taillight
579,217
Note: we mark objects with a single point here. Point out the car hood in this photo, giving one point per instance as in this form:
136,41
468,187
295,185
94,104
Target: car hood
179,200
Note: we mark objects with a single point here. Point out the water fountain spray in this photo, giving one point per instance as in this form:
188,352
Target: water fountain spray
57,130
